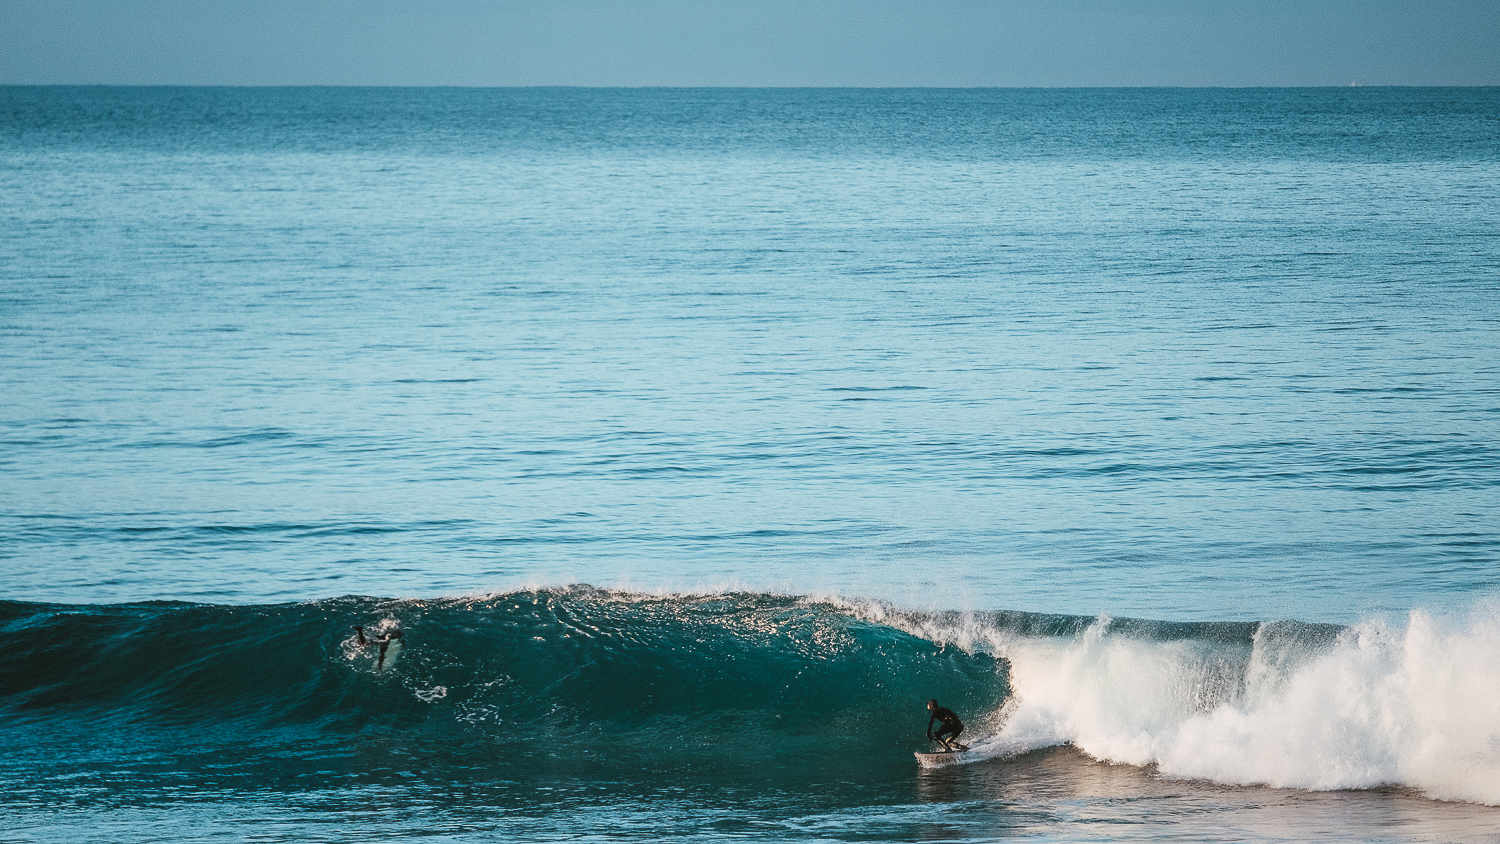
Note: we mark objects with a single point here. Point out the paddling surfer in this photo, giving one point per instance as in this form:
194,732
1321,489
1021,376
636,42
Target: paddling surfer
947,734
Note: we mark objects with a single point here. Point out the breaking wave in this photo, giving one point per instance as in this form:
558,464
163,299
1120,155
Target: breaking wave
1284,703
550,681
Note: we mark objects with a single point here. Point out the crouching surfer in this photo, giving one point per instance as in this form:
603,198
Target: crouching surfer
385,641
947,734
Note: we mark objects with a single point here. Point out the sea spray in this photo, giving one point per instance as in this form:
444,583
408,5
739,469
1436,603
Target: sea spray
1282,703
1417,707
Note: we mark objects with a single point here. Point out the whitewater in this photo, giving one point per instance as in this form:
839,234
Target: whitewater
694,439
1291,706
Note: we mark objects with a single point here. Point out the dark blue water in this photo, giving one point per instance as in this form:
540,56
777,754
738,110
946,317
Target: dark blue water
1157,431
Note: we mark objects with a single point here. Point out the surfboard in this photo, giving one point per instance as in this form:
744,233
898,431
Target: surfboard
939,758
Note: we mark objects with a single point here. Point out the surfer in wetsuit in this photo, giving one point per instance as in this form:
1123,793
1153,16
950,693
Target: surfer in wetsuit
947,734
384,641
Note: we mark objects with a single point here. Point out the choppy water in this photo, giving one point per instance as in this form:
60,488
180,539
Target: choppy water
1155,429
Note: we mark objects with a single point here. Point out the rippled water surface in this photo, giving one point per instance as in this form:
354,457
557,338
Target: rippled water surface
1183,355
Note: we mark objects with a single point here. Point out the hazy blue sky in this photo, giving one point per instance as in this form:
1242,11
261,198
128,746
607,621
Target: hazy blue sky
751,42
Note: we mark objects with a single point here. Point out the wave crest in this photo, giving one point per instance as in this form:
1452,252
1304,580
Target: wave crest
1285,704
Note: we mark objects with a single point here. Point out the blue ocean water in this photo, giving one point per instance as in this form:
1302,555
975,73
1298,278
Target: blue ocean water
695,438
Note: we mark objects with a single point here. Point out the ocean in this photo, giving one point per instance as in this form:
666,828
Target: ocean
694,439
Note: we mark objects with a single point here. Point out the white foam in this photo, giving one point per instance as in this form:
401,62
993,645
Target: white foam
1414,704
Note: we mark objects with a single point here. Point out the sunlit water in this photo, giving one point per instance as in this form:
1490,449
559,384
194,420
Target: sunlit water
1182,355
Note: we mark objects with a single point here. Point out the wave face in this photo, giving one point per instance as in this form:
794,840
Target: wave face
1284,703
566,677
586,682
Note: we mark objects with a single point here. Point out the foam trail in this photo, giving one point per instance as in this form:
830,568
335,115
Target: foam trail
1415,706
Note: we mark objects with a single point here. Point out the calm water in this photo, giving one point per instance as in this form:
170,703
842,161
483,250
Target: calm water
1157,431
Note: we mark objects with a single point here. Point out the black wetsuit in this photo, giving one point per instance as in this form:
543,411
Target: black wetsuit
951,725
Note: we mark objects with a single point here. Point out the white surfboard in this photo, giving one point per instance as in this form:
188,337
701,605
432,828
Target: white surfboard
939,758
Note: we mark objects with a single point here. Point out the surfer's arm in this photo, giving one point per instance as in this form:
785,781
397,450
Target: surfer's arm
930,719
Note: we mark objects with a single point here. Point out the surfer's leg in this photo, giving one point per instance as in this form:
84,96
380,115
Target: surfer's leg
380,663
949,736
360,632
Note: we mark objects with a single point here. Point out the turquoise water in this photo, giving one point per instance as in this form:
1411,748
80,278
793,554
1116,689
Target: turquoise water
1156,431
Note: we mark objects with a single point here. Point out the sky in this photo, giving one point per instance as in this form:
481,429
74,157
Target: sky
863,43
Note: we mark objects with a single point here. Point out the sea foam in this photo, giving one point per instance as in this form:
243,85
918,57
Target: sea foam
1411,704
